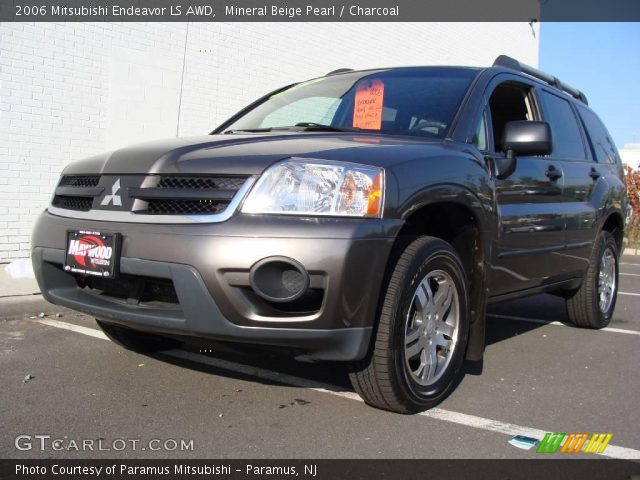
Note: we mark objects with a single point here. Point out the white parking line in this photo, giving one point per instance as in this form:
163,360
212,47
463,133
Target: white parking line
629,263
525,319
92,332
548,322
630,274
629,293
612,451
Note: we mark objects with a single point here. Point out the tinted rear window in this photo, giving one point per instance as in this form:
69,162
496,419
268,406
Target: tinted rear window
603,147
567,139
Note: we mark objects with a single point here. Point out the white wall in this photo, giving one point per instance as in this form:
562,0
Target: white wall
74,89
630,154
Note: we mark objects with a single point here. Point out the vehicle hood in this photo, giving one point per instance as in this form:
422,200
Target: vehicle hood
251,154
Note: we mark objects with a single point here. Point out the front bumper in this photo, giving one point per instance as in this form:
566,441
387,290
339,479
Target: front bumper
208,267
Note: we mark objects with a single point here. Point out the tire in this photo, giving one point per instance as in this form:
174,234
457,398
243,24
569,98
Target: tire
137,341
584,305
392,376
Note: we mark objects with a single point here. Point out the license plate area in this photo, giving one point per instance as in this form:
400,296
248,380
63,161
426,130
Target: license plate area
92,253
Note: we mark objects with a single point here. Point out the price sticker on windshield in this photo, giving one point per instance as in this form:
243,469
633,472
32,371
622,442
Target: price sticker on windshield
367,109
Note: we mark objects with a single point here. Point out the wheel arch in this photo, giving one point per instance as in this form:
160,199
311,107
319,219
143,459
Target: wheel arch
614,224
462,224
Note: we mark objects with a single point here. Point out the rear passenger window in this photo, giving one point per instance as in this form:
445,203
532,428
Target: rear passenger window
603,147
567,140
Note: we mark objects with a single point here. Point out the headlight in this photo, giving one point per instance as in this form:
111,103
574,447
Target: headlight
318,187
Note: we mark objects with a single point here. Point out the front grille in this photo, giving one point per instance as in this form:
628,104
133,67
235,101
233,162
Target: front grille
82,204
216,194
186,207
79,181
221,183
148,195
74,192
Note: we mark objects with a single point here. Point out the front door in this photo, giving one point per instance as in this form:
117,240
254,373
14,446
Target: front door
531,220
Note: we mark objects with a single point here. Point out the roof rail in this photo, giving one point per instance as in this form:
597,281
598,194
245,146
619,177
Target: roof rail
513,64
339,70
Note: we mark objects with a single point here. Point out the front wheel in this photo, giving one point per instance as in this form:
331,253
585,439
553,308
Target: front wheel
592,305
422,333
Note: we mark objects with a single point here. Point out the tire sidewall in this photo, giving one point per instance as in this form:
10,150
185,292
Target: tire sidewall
433,256
605,241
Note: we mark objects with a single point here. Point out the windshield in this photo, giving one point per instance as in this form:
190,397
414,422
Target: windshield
417,101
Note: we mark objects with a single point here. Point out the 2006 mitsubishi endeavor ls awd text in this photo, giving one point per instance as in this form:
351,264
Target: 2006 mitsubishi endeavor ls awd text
365,217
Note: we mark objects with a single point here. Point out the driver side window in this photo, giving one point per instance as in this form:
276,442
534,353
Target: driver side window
509,102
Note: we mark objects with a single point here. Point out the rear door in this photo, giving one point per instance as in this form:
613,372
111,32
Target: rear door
581,177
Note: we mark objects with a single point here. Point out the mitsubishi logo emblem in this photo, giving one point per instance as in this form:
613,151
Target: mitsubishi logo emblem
114,197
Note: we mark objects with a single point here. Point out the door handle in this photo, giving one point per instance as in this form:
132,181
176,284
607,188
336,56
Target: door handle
553,173
594,174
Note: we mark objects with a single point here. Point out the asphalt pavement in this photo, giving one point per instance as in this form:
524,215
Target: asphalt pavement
65,387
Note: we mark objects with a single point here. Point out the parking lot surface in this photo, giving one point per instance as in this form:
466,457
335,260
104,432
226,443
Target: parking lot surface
62,378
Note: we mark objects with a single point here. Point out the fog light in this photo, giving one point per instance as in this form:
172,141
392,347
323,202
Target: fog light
279,279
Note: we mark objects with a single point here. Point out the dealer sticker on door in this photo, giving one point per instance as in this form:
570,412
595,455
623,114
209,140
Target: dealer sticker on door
92,253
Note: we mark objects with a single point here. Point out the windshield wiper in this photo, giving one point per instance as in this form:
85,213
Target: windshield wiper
302,126
327,128
249,130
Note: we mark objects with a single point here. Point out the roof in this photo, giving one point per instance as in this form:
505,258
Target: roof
502,61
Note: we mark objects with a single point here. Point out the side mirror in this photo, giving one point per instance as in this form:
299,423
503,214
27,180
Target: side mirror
522,137
527,138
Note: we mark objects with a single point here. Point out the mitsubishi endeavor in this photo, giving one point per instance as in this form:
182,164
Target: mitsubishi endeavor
365,217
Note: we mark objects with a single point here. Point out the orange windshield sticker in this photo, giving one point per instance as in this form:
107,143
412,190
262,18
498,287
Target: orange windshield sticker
367,110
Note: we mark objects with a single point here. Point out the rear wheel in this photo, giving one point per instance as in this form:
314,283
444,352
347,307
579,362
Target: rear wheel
592,305
135,340
423,327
